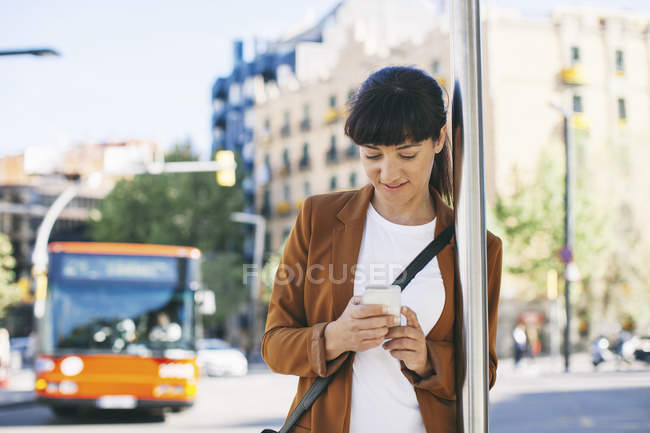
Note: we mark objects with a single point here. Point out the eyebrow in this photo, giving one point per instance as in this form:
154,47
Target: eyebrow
404,146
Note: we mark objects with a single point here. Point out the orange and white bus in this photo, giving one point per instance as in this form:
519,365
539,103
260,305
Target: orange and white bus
119,327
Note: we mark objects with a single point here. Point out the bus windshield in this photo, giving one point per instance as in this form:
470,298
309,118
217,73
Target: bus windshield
132,317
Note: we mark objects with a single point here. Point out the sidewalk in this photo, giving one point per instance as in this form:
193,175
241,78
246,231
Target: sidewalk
19,390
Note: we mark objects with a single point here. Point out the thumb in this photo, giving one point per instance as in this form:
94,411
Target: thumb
356,300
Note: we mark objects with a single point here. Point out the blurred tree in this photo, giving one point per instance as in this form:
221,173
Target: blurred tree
9,291
607,247
182,209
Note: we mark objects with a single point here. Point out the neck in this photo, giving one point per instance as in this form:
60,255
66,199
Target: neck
417,211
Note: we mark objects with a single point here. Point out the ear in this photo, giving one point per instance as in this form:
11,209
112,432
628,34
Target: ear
441,140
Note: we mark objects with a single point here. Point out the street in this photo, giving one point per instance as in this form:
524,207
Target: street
522,400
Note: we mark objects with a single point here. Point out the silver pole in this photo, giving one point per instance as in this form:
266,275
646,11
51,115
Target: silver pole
469,206
256,325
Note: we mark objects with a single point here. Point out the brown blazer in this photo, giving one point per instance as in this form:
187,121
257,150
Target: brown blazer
312,287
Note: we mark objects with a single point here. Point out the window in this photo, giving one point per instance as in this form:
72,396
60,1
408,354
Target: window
577,104
306,111
333,185
287,192
575,55
333,142
353,180
333,101
435,67
305,151
620,61
267,124
285,161
268,241
307,186
622,112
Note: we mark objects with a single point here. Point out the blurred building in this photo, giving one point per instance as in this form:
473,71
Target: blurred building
28,189
593,63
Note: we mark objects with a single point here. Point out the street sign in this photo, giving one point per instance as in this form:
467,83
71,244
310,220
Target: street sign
566,254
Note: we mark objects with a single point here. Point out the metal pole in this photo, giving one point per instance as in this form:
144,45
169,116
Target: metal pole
568,236
255,306
469,207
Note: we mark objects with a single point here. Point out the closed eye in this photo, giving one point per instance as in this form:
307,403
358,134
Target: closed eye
408,156
373,156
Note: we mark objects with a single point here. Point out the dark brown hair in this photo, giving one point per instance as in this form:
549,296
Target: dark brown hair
400,103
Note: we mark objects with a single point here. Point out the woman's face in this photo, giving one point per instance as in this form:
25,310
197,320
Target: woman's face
400,174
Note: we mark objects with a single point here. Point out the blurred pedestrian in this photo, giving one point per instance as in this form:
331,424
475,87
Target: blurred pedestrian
5,357
386,379
520,342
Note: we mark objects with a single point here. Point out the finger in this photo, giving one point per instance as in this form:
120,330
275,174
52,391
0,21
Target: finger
373,334
368,310
355,300
402,344
374,322
403,355
411,317
369,344
405,332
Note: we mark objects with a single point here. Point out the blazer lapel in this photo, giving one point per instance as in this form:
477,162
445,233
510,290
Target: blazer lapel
346,243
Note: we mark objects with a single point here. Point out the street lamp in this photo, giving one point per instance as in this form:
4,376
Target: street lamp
566,254
40,52
40,257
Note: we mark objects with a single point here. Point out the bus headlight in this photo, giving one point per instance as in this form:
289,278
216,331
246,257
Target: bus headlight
72,366
40,384
43,365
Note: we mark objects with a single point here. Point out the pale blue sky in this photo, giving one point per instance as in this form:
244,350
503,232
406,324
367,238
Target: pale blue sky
137,69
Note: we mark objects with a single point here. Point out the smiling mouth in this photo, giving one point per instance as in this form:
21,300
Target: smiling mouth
393,186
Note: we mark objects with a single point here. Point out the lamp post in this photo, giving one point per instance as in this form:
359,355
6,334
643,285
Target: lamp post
40,257
566,254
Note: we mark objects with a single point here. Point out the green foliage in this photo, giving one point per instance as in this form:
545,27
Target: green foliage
187,209
9,292
531,222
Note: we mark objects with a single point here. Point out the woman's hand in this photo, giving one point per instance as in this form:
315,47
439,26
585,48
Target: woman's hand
360,327
408,344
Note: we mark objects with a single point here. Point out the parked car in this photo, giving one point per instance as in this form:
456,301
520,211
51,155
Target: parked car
218,358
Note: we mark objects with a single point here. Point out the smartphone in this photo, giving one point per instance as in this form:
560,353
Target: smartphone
384,294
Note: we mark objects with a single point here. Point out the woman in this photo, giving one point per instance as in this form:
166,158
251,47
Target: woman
386,378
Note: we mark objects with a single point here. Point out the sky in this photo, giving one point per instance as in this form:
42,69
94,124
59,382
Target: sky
140,69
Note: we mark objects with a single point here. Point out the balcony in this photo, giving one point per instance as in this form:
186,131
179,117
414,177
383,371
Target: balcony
305,125
304,163
575,75
283,207
580,121
332,115
332,156
265,136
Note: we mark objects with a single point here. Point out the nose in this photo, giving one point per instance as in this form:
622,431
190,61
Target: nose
390,172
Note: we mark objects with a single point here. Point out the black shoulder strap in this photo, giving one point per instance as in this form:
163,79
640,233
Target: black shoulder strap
319,385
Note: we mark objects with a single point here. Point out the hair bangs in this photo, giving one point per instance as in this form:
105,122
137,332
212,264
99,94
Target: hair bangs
390,116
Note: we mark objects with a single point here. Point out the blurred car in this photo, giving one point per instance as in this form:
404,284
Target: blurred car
217,358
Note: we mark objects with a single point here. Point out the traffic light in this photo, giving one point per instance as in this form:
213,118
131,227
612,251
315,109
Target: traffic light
226,176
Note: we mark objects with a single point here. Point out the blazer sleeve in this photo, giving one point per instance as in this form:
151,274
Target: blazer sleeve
441,382
290,345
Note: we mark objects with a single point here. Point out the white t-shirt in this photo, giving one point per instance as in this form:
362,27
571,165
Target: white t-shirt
383,400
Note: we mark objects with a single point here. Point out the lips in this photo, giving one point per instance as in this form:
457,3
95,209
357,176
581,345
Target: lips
393,187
